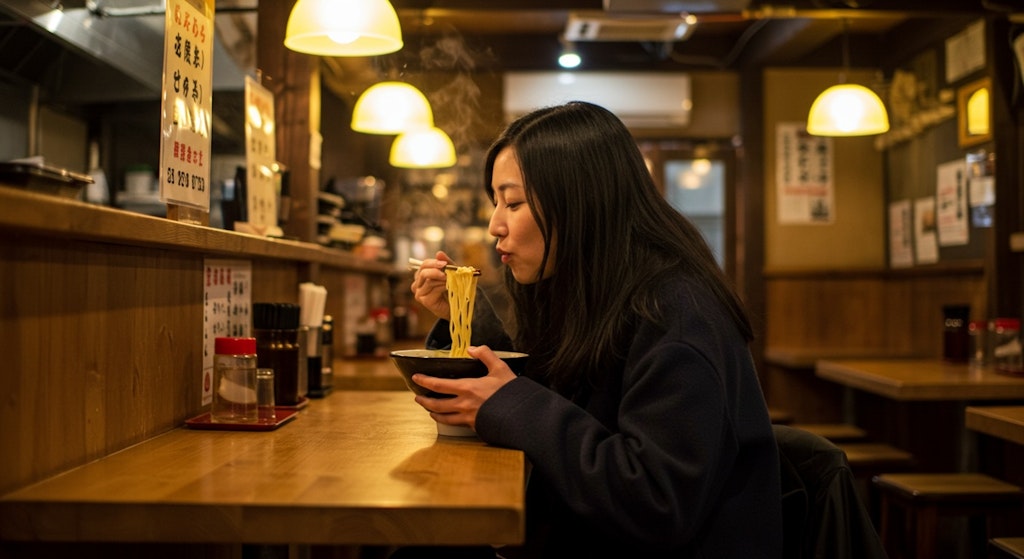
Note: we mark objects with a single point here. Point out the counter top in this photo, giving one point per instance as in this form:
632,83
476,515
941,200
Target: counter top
61,217
366,373
353,468
921,379
1005,422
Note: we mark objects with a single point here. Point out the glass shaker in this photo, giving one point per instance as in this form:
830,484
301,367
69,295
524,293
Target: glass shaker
234,381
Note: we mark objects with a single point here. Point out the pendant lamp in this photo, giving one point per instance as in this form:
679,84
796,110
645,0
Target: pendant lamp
391,108
426,148
343,28
847,109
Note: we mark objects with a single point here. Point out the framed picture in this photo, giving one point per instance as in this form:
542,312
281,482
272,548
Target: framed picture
973,113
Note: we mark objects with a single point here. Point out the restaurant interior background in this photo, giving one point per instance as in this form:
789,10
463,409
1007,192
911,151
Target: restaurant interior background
754,68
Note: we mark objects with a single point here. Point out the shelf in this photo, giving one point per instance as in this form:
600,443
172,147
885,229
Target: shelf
41,214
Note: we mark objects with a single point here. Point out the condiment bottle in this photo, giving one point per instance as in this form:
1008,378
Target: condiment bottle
234,381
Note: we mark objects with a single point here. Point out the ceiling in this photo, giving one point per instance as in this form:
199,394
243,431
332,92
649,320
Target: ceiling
84,52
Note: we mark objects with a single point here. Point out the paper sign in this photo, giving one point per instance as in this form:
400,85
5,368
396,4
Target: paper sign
261,186
227,309
803,176
186,108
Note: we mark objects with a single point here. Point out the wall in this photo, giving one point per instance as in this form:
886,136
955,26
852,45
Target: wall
856,238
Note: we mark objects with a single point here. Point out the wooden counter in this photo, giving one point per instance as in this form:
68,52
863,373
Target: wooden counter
353,468
1005,422
921,379
366,373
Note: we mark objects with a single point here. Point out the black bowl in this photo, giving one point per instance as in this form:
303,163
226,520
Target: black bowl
438,363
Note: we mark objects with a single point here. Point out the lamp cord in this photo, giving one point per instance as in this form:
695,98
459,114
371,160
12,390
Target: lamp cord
846,50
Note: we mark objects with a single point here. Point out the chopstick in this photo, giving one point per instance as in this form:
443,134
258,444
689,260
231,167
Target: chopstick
415,264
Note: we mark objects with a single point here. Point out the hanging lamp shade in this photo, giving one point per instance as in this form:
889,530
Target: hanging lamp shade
847,110
391,108
343,28
426,148
977,112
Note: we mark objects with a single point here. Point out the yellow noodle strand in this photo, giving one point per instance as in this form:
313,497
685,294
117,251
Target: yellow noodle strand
461,286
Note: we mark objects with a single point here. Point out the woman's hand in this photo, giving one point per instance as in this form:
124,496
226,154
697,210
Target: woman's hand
470,393
428,286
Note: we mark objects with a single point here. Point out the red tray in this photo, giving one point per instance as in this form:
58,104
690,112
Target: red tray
284,415
1010,372
303,402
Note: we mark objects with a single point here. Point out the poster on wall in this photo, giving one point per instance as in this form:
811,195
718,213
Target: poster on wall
227,309
187,103
901,239
803,176
926,246
981,185
951,200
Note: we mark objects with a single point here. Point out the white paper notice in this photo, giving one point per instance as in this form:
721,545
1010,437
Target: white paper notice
803,176
901,238
926,247
227,309
186,111
260,157
951,196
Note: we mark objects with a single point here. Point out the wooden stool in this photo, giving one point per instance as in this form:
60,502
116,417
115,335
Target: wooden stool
926,496
835,432
869,459
1012,548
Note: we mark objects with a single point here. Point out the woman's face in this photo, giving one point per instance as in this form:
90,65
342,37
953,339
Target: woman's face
520,242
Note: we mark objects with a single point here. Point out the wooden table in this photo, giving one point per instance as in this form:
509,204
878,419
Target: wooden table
1005,422
353,468
911,381
921,379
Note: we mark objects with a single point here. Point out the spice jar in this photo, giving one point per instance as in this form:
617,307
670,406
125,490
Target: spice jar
234,381
1006,347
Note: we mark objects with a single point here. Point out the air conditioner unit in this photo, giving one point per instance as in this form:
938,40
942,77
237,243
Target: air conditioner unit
640,99
599,26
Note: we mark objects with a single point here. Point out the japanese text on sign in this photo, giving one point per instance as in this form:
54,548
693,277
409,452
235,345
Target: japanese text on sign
185,140
227,309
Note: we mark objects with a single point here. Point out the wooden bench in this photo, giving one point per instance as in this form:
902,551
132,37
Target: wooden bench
925,496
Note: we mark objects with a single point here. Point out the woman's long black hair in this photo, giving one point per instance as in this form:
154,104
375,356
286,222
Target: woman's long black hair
617,239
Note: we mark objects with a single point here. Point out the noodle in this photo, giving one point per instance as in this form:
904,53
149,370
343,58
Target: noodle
461,285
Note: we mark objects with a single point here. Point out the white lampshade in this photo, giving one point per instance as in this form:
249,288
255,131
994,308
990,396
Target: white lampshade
391,108
343,28
847,110
427,148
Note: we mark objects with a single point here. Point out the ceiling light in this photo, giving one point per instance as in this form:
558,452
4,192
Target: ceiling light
847,109
391,108
427,148
569,58
343,28
977,112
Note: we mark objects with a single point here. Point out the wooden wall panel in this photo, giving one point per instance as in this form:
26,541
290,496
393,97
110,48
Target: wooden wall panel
102,348
892,312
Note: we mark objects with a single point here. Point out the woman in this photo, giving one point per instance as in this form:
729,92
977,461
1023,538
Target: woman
640,411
